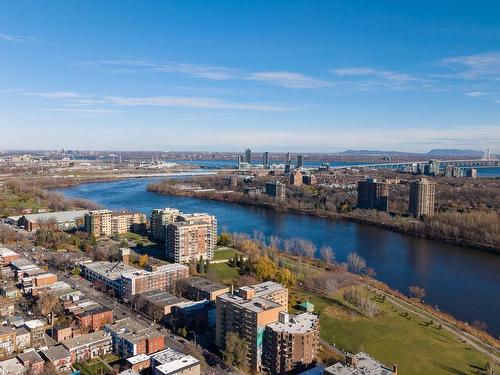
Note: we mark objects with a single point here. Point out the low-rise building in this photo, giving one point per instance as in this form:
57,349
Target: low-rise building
23,338
12,367
32,361
157,304
63,220
94,318
171,361
6,256
36,328
85,347
198,316
197,288
360,364
6,307
291,344
7,341
131,337
59,357
62,332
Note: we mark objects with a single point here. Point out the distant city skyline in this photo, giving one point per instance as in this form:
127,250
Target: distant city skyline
295,76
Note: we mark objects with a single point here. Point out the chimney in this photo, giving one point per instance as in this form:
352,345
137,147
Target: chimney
125,255
395,369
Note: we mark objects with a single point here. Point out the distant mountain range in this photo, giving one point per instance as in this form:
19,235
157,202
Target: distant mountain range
448,152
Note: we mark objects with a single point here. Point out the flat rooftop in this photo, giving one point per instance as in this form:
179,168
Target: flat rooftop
365,365
162,298
256,304
83,340
171,360
110,270
265,288
57,216
301,323
203,284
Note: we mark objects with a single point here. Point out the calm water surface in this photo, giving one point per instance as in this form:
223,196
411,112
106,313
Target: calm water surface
458,280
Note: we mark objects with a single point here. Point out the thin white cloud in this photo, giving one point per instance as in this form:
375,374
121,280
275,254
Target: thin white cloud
190,102
497,101
56,94
475,93
215,73
482,65
288,80
17,38
81,110
200,71
366,71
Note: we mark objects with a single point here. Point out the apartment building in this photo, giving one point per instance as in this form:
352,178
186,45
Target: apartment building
32,361
291,344
85,347
197,288
36,328
6,256
59,357
161,278
127,281
131,337
192,236
373,195
7,341
95,318
296,178
171,361
360,364
276,190
98,222
106,223
246,313
422,198
159,219
157,304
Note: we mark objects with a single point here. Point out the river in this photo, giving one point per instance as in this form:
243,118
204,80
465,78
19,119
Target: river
461,281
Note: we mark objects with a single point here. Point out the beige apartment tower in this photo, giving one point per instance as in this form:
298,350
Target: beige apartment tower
191,237
247,312
98,222
159,218
422,197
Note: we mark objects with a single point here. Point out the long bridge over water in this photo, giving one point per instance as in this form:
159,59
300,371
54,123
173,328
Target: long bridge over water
476,163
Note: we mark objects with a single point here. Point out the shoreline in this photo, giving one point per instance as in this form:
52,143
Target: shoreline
328,215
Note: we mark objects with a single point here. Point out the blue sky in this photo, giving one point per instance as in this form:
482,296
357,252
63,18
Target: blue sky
270,75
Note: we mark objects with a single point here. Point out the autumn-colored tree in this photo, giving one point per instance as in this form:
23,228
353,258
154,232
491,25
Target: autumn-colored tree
264,268
143,260
285,277
236,351
46,304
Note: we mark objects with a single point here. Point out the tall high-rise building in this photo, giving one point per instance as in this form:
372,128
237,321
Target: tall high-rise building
434,168
159,218
265,159
248,156
422,197
296,178
300,161
98,222
288,158
239,160
275,189
373,195
246,313
191,237
291,344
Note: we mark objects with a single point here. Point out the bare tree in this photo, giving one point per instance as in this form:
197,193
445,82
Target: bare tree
355,263
327,255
